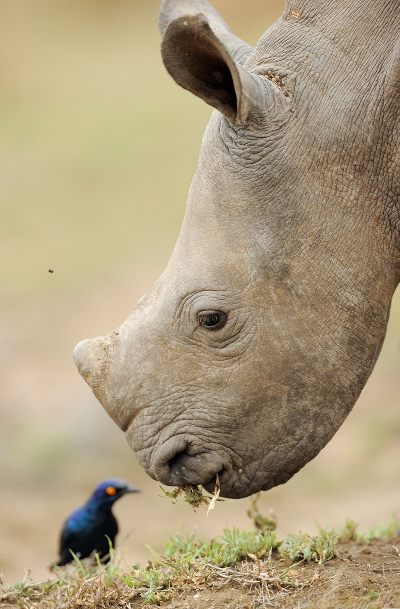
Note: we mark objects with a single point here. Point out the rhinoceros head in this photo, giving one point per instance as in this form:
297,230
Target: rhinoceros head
251,349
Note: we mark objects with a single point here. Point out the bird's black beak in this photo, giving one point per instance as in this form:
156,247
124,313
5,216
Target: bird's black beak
132,489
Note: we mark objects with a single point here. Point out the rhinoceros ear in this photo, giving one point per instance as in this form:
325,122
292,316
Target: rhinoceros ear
173,9
200,62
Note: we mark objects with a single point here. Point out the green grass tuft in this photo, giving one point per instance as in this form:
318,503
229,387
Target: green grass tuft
222,551
320,548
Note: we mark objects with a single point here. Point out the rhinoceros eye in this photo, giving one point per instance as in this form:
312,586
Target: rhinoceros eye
214,320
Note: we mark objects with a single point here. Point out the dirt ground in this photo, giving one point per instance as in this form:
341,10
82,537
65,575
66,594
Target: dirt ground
362,576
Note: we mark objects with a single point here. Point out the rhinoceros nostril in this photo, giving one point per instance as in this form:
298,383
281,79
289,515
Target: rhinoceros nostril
179,465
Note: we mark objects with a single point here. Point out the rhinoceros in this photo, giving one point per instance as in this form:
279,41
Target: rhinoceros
251,349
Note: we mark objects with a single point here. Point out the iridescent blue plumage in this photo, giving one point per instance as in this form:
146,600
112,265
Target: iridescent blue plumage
87,528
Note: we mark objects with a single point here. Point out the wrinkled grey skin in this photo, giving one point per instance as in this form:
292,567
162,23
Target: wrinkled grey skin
291,229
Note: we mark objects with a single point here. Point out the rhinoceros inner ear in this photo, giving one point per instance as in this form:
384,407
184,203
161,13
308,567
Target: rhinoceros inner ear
173,9
199,61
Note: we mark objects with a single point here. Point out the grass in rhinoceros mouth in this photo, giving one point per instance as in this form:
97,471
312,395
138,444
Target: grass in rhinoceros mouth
194,496
254,560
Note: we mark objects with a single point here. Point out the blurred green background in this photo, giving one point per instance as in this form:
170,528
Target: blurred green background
98,147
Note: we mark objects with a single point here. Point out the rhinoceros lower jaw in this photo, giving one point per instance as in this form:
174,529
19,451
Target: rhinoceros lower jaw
174,466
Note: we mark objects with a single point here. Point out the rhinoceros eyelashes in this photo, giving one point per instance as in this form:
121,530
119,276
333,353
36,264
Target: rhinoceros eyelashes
213,320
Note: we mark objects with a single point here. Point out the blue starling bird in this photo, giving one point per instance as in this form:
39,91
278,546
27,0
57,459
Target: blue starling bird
87,528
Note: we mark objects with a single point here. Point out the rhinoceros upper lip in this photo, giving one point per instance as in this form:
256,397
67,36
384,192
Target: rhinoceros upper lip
177,462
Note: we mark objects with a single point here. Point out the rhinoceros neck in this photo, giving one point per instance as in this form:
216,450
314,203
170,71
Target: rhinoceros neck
341,142
356,19
360,34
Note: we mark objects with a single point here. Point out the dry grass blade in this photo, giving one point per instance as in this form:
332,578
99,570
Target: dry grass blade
217,491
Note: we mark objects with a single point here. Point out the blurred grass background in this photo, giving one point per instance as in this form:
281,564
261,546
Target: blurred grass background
98,147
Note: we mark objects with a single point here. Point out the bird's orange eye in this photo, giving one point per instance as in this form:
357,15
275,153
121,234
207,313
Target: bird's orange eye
110,490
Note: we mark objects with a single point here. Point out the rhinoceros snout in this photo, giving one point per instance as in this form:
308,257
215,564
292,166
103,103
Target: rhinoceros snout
178,462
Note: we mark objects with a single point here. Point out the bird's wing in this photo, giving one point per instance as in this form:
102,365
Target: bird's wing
66,537
65,544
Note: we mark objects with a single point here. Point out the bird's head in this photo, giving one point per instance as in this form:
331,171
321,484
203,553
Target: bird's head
108,491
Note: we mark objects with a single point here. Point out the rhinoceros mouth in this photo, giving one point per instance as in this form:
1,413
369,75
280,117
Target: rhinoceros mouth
183,460
177,459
